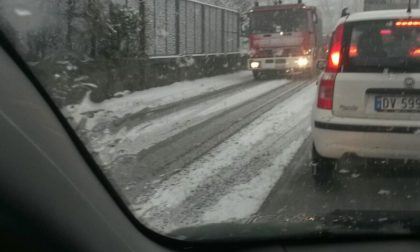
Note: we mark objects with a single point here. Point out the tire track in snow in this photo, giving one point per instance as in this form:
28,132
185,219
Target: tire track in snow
170,156
148,136
262,149
132,120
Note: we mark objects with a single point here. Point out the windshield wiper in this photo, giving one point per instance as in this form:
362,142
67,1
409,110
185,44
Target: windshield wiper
248,231
369,221
339,223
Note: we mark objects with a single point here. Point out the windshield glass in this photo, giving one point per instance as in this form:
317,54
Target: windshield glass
289,20
382,45
210,131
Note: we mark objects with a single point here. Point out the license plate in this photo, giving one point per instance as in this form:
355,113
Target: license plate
397,103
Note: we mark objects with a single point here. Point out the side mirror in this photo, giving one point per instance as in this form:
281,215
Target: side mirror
321,64
245,30
314,18
345,12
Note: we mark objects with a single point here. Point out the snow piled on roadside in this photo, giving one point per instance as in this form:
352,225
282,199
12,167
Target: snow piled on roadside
148,133
125,103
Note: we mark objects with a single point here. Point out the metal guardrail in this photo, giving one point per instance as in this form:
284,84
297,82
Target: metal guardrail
370,5
186,27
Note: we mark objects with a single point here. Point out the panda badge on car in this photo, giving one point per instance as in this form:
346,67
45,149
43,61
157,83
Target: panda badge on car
409,82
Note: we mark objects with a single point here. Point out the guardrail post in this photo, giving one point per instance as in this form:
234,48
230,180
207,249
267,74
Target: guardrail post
143,59
203,29
177,28
223,30
239,32
142,30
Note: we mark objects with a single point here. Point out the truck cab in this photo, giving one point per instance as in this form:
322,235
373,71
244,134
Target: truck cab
284,39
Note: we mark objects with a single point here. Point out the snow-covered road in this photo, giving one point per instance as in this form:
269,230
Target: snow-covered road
233,179
214,160
132,140
241,155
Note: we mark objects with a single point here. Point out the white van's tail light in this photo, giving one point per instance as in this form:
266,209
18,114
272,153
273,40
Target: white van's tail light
326,91
327,82
353,51
385,32
334,57
408,23
415,52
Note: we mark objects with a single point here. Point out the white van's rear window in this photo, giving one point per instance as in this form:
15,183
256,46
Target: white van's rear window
392,45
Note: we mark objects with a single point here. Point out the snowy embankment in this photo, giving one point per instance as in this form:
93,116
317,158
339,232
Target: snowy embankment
231,182
109,142
130,140
91,114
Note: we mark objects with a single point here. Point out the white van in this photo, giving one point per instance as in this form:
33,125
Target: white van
368,101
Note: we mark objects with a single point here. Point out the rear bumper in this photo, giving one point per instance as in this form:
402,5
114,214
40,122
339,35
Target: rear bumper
281,63
335,140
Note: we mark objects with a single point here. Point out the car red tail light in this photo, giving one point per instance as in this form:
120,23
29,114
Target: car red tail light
334,57
408,23
326,91
385,32
327,82
353,51
415,52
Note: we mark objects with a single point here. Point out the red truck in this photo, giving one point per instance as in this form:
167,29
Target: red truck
284,39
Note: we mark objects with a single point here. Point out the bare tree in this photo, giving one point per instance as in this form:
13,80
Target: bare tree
69,19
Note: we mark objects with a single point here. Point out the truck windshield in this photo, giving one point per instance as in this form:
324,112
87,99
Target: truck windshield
289,20
383,45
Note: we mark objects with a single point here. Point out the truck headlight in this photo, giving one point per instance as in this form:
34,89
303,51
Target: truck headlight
255,64
302,62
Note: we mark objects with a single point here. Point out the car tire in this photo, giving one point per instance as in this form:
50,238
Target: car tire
310,73
258,75
322,168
